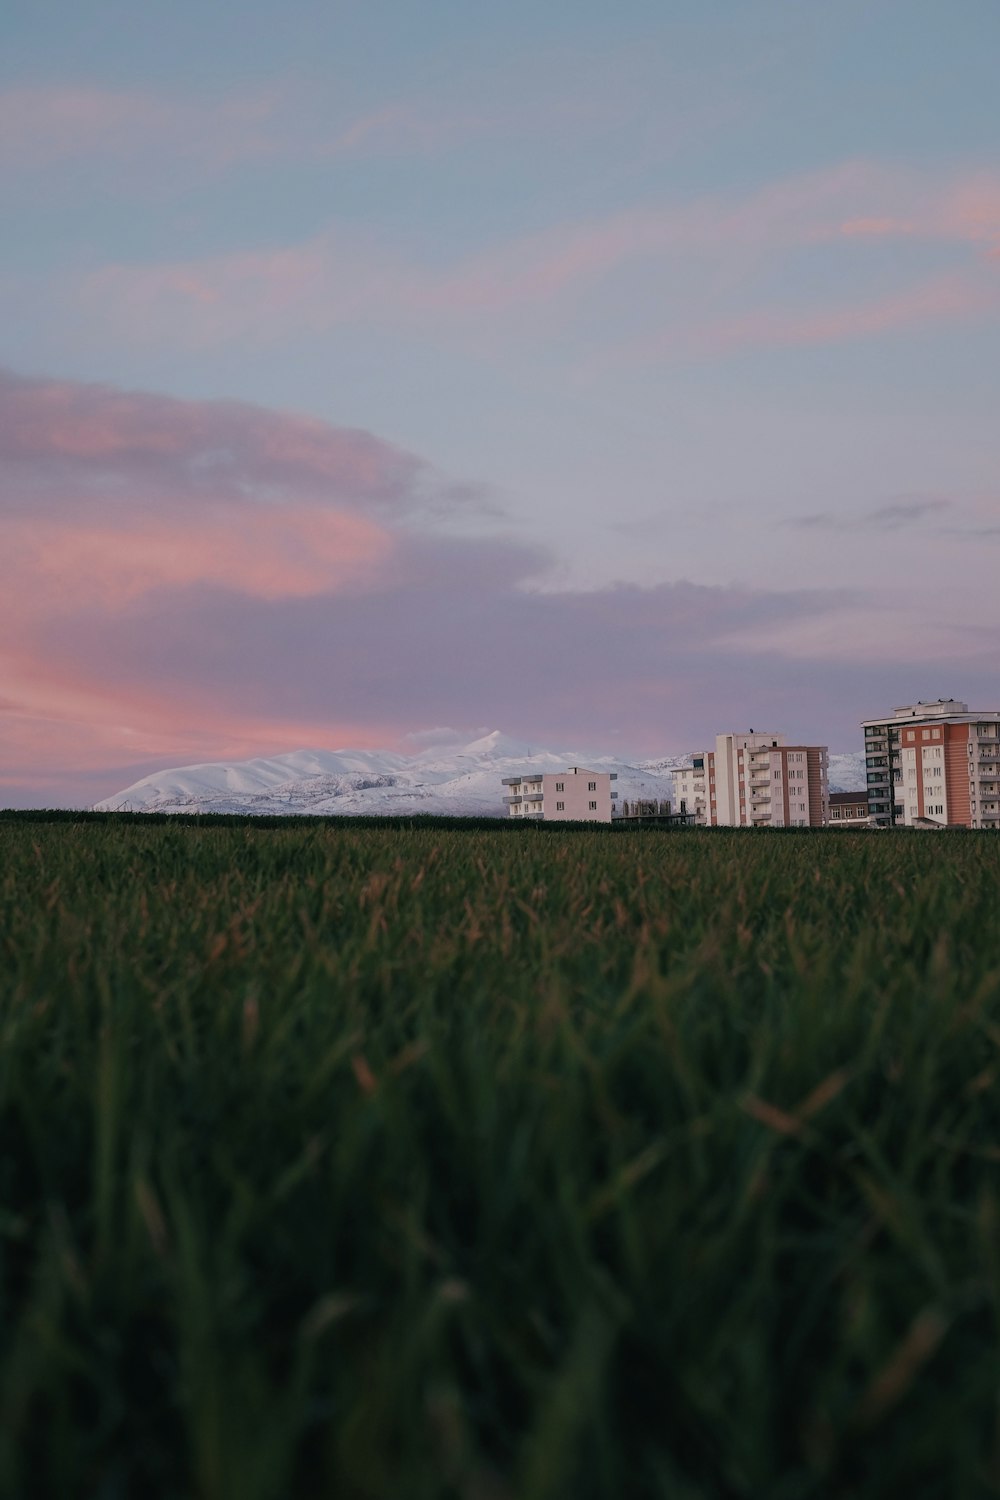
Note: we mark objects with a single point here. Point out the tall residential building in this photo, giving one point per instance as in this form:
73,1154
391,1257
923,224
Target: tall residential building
755,780
574,795
934,764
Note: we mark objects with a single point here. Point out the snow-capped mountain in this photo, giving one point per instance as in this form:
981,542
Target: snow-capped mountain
448,775
847,772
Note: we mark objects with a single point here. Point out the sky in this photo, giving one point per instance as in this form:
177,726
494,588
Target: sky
611,376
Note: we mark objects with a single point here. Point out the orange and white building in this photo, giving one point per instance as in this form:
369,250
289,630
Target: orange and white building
934,765
575,795
755,780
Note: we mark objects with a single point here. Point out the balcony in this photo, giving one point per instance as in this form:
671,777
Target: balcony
512,801
534,797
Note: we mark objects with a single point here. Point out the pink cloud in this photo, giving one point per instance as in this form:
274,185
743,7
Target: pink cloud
45,124
194,448
335,278
875,228
70,726
56,565
48,125
941,299
112,500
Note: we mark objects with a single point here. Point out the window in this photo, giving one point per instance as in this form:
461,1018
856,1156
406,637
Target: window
592,787
592,806
560,786
560,807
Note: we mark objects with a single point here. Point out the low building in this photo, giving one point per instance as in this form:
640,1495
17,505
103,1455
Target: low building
574,795
848,809
934,764
656,811
755,780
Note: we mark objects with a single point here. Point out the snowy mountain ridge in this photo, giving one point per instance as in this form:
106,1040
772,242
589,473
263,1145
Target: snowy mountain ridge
448,775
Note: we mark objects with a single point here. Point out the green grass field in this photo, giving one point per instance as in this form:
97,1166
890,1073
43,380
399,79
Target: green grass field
495,1164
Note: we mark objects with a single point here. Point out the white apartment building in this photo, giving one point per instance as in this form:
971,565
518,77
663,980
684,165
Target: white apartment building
573,795
934,765
755,780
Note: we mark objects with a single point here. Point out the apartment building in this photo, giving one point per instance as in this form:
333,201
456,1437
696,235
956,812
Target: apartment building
573,795
934,764
755,780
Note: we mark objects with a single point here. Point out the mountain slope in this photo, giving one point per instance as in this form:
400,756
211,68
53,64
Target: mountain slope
450,777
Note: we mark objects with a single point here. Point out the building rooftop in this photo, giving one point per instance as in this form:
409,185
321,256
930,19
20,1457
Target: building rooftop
941,708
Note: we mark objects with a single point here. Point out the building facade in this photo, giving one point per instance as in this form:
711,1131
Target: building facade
934,765
755,780
848,809
573,795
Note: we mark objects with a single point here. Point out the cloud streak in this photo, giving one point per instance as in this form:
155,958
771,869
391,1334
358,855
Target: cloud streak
894,515
335,277
53,125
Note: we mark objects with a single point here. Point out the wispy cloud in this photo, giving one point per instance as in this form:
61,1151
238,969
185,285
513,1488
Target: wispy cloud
336,277
53,124
891,516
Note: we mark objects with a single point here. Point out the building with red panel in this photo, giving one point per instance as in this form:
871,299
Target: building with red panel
934,765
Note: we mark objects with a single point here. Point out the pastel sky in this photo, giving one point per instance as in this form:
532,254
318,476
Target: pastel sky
610,375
